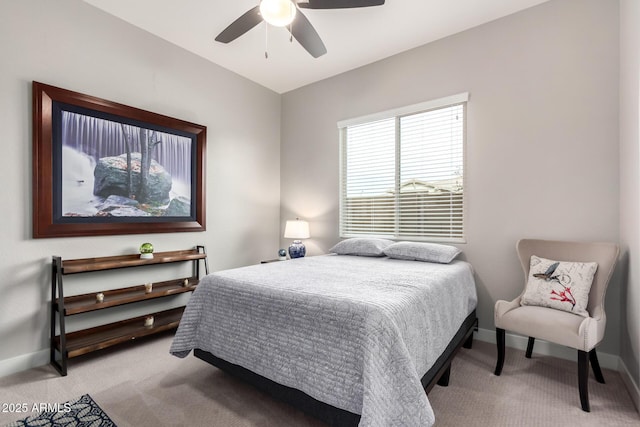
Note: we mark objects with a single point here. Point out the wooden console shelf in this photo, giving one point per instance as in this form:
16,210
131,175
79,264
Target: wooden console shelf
87,340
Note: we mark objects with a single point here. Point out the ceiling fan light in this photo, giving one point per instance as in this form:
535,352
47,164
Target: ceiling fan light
279,13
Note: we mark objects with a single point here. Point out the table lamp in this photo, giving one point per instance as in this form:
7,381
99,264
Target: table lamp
297,230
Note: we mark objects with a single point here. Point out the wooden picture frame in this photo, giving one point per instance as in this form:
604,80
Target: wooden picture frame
103,168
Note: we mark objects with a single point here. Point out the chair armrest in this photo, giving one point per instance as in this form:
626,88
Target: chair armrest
591,332
598,313
502,307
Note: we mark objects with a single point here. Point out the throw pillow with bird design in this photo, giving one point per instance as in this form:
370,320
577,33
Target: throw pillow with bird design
561,285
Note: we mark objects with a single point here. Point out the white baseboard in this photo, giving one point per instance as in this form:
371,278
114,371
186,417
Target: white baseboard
633,388
608,361
23,362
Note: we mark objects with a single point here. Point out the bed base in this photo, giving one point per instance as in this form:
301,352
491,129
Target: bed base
438,374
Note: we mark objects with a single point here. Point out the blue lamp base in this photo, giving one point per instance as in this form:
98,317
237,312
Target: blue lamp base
297,249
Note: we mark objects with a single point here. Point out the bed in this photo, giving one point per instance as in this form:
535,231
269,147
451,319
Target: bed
351,340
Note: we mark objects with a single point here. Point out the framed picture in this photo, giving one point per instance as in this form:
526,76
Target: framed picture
102,168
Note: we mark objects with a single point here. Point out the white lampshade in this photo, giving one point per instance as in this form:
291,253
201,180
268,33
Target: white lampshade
279,13
296,229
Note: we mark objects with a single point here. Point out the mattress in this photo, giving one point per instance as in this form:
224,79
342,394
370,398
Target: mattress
355,332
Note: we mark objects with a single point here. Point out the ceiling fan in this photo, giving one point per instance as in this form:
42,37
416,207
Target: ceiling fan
287,13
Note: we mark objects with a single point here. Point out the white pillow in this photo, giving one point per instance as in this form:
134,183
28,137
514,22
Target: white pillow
361,246
559,284
417,251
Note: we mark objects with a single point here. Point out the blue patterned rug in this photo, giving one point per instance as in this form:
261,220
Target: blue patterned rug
82,412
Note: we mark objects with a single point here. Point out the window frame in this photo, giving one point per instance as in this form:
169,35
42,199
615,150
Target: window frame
397,114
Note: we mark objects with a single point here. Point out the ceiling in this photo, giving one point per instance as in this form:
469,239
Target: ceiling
353,37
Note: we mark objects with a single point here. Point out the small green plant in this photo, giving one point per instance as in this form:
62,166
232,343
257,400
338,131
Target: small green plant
146,249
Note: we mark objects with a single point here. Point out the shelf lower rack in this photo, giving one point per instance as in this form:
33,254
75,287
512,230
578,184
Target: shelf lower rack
104,336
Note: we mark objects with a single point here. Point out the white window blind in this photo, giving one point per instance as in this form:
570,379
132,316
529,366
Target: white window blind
402,173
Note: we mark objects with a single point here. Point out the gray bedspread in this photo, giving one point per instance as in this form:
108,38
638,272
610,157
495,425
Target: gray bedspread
355,332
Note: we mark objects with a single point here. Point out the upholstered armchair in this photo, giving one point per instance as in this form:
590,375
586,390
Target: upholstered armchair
582,332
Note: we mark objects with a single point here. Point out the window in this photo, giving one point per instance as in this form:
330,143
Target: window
402,172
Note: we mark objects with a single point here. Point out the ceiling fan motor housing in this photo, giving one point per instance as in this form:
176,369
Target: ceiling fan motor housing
278,13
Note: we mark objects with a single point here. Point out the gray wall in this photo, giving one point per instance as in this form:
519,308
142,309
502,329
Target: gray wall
630,184
542,151
70,44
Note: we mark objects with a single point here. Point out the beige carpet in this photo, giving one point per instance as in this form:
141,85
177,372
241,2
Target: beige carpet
142,385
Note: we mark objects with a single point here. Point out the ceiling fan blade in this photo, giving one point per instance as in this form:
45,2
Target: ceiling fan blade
338,4
240,26
307,36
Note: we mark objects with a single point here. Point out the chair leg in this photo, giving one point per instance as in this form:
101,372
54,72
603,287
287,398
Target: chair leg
500,343
530,347
583,379
595,365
